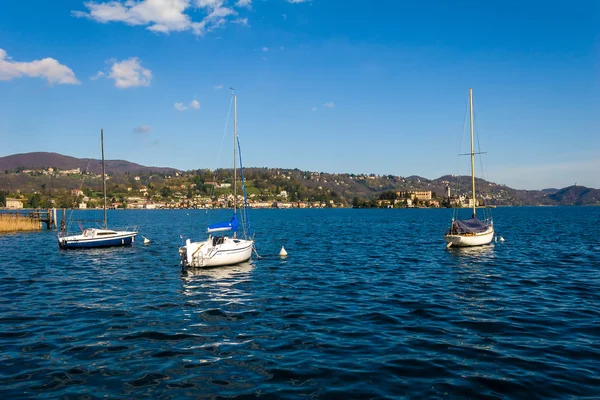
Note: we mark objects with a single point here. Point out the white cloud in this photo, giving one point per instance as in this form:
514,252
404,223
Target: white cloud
329,104
314,109
243,3
47,68
220,12
219,87
265,49
297,1
142,129
180,106
161,16
209,3
241,21
130,73
284,16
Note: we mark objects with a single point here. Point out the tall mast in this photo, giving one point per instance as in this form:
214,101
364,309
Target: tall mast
472,151
103,174
234,151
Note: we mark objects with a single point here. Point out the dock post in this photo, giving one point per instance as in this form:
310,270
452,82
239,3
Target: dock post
54,218
63,221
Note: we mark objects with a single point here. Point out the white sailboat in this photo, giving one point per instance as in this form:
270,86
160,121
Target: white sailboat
472,231
222,250
97,237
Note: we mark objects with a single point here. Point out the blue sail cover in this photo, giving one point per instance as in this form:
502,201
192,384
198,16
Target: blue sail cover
224,226
471,225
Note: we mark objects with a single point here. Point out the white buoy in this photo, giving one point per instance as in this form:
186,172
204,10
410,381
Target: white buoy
283,253
146,240
501,239
449,245
495,239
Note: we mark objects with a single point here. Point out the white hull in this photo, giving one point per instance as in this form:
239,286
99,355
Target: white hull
469,240
215,252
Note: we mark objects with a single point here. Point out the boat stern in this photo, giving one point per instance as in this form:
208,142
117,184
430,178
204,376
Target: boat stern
187,252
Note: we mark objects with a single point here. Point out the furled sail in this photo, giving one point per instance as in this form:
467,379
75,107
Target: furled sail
471,225
224,226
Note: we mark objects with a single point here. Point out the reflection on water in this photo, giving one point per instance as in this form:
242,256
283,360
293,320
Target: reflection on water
220,284
224,273
475,252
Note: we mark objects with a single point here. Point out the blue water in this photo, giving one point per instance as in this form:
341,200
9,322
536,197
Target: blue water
368,304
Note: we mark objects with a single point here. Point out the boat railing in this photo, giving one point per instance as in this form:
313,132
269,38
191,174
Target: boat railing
133,228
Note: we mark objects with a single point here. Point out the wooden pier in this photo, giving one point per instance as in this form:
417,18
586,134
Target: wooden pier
27,220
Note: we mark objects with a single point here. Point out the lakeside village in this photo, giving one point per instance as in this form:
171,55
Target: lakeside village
194,191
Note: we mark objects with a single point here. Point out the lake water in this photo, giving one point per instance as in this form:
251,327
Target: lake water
368,304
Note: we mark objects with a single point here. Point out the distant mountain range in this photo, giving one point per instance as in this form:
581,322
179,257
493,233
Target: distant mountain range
39,160
347,186
576,195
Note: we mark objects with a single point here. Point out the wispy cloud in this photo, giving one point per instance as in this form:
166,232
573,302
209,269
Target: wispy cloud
265,49
97,75
244,3
284,16
47,68
219,87
241,21
129,73
161,16
142,129
181,106
329,104
297,1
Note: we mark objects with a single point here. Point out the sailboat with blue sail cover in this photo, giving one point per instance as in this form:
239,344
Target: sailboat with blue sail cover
220,250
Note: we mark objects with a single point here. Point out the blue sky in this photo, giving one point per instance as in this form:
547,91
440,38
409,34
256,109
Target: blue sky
361,87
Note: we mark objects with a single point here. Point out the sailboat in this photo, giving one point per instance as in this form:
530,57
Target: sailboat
223,250
472,231
97,237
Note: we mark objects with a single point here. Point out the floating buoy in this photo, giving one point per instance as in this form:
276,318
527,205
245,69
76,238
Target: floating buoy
146,240
449,245
283,253
501,239
495,239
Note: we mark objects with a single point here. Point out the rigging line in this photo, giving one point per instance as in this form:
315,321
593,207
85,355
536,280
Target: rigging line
478,145
80,188
212,190
224,132
458,176
487,213
245,218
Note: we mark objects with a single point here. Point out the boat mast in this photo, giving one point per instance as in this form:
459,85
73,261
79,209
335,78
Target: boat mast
103,174
234,151
472,151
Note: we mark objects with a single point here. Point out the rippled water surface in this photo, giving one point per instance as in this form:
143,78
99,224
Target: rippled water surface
368,304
